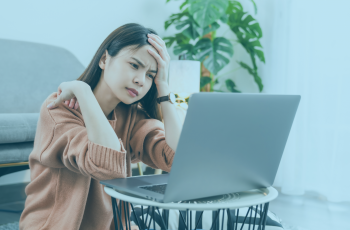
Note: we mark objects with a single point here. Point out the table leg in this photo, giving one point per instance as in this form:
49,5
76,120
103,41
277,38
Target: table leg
214,221
250,218
127,208
232,225
223,218
261,216
199,219
115,212
190,219
183,220
256,212
154,222
265,217
237,219
246,216
229,219
187,220
165,216
124,209
136,218
150,220
147,216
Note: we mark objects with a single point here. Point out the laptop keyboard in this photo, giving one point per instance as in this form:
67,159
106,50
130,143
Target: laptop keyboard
159,188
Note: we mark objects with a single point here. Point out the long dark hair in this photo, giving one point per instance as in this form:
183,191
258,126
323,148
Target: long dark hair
127,35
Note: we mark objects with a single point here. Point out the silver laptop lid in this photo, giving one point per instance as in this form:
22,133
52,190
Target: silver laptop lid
230,142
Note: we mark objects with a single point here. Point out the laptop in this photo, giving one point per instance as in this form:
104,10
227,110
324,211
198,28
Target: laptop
229,142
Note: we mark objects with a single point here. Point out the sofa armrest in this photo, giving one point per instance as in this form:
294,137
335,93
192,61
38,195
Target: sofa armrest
18,127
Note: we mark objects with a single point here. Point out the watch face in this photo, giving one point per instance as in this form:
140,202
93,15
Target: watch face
172,98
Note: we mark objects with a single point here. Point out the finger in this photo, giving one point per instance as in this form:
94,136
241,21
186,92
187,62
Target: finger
67,102
162,43
158,47
56,102
158,39
76,105
59,91
159,59
72,102
161,49
52,105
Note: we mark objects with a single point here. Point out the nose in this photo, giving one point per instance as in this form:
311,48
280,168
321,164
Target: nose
140,79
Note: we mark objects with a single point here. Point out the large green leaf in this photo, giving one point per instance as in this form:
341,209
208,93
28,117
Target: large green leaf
260,54
187,49
210,28
169,41
247,30
238,19
215,61
204,81
253,72
185,3
224,18
231,86
191,29
233,6
174,18
189,25
205,12
251,44
255,8
179,38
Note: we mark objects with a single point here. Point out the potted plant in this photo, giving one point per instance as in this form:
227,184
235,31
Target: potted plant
197,24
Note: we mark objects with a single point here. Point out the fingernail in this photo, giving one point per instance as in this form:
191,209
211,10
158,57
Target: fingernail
49,106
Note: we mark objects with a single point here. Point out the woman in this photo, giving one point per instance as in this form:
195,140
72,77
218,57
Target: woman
80,139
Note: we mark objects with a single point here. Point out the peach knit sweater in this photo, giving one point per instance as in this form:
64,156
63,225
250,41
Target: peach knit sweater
66,167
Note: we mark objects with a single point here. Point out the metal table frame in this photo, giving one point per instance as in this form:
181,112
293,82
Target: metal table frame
254,201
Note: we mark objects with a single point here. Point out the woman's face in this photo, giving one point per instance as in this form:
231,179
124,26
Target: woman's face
129,69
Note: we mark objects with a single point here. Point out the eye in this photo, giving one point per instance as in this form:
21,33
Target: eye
150,75
134,65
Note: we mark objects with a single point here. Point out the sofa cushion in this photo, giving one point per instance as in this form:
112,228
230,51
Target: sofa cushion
17,127
30,72
15,152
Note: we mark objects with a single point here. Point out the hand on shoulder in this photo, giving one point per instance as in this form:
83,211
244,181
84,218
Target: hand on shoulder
66,93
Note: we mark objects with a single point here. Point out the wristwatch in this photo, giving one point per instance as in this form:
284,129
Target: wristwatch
170,97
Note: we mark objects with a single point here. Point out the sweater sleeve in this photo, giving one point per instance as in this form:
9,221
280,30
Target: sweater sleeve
70,147
147,143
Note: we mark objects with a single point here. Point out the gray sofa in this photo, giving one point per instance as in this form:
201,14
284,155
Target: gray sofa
29,73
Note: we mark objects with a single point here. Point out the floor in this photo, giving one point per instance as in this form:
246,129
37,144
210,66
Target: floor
10,217
310,212
307,212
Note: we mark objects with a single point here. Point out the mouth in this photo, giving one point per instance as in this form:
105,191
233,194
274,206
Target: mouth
132,92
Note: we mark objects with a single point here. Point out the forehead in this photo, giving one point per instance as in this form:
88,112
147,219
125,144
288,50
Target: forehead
141,54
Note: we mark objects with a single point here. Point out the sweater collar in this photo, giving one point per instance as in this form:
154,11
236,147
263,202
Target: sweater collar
114,116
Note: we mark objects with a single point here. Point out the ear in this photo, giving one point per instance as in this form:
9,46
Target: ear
102,62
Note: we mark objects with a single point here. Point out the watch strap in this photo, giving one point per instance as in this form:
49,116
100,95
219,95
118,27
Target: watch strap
163,98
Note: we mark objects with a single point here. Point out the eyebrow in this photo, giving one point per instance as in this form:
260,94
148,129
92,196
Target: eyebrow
141,64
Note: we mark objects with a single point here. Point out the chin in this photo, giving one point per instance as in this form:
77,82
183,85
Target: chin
130,101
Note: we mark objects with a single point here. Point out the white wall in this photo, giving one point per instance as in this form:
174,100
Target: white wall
81,26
